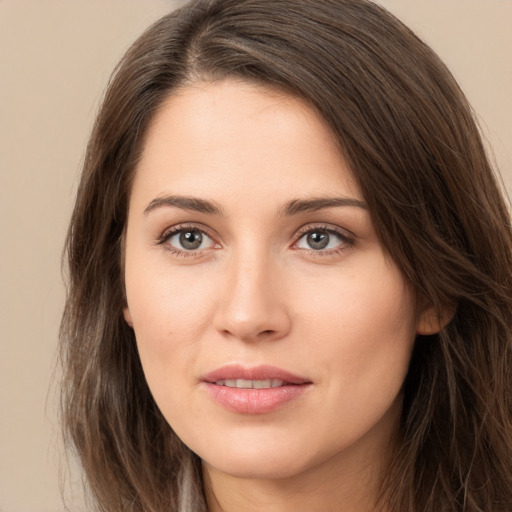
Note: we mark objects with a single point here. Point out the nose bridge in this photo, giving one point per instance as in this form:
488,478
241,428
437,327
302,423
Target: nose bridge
254,306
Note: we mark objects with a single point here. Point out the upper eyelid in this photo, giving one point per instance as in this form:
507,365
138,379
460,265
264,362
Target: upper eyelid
331,228
166,233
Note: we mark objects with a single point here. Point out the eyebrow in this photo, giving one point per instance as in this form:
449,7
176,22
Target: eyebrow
185,203
293,207
296,206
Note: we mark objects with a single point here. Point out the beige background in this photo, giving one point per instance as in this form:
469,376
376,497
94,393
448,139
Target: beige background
55,59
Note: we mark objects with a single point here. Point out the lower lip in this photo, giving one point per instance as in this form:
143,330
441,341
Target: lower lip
255,401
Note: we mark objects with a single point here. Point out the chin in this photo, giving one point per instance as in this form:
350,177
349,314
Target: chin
261,461
255,468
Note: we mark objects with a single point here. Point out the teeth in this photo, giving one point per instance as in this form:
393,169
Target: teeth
239,383
250,384
261,384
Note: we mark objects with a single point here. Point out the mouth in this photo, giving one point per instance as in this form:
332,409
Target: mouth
251,384
255,390
256,377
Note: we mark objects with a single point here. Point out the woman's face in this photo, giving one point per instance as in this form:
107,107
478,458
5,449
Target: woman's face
274,331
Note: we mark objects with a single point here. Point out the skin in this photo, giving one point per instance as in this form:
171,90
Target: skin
256,292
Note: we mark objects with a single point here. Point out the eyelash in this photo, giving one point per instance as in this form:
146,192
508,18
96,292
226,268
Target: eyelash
346,239
183,228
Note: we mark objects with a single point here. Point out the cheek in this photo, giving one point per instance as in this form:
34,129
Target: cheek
169,320
362,327
170,315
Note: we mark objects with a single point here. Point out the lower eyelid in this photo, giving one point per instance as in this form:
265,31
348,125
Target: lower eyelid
340,246
205,235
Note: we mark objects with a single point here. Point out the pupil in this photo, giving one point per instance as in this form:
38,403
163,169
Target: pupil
318,240
191,239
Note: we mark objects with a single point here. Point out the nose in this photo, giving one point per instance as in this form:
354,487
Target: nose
253,305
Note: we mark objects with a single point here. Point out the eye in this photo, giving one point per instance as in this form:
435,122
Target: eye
322,239
188,239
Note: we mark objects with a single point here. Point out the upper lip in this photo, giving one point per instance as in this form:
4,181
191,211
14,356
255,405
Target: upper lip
261,372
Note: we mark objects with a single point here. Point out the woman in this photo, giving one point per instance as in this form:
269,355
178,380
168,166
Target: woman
290,273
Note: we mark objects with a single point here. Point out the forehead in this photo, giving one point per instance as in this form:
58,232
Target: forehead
232,136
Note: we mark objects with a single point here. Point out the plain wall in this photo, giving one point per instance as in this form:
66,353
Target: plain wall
55,59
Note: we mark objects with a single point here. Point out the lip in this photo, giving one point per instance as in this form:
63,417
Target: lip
261,372
254,401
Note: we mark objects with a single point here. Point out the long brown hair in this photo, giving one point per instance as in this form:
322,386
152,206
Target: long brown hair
410,138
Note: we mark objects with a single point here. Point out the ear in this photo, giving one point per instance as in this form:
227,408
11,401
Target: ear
127,316
431,321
